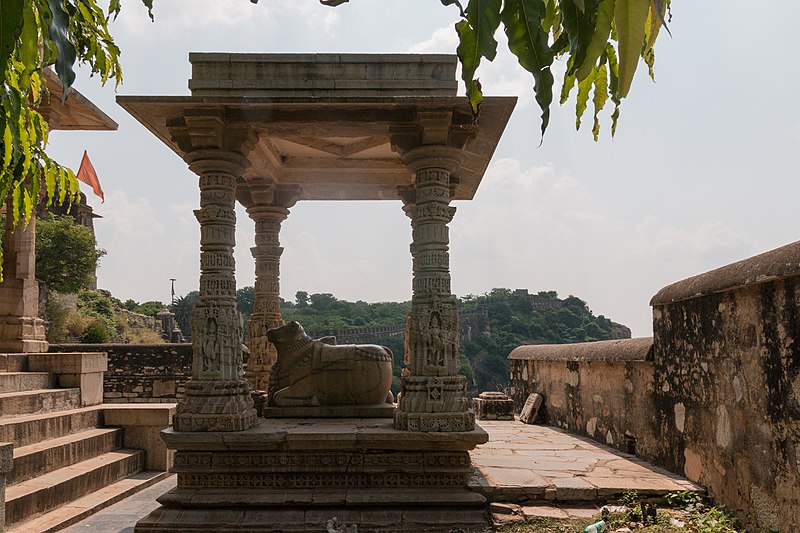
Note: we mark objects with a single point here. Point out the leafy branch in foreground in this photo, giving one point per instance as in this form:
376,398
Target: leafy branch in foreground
35,35
603,41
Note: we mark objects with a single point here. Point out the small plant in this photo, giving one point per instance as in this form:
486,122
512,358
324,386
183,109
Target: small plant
97,332
76,323
687,500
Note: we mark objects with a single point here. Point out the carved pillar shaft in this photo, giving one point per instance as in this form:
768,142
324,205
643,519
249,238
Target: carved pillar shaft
267,302
217,396
21,329
433,395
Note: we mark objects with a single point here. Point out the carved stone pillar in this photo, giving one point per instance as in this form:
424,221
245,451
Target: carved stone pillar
217,396
21,329
267,302
432,395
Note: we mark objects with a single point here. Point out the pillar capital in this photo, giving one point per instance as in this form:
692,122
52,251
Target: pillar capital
433,156
215,160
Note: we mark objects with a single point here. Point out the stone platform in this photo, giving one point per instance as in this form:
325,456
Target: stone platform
383,410
296,474
550,472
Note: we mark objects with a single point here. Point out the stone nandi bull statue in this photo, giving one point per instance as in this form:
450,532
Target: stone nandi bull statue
312,372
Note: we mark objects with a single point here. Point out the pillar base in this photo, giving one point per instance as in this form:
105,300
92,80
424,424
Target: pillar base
297,474
22,335
215,405
434,403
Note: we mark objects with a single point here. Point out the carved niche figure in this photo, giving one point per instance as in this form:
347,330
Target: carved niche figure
312,372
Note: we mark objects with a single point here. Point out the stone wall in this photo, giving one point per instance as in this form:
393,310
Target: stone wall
602,390
720,400
141,373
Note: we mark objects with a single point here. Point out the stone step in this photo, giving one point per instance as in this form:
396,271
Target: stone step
38,401
44,493
13,362
30,429
75,511
52,454
26,381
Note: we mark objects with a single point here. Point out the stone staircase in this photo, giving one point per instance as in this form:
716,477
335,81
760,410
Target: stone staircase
66,465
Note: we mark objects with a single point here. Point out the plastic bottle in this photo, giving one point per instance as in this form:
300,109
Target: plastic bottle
597,527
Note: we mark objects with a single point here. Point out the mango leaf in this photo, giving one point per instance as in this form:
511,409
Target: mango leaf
567,86
605,16
630,17
457,3
613,85
528,41
149,5
28,50
550,15
476,40
580,27
10,28
580,5
583,97
660,7
600,97
58,33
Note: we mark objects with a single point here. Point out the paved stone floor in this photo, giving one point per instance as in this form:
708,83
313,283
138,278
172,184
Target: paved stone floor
520,463
530,462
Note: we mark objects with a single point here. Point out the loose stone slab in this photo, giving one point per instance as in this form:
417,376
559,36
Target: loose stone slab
531,408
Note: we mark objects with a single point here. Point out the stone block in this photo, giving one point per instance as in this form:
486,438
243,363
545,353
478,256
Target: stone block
493,406
142,425
531,408
68,362
164,387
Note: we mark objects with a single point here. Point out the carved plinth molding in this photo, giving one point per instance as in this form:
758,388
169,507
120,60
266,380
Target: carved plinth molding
432,395
217,397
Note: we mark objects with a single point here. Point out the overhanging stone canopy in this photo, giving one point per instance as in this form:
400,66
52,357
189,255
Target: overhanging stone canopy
332,146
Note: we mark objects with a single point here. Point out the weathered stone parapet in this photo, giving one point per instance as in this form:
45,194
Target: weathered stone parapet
769,266
218,396
82,370
715,398
433,395
639,349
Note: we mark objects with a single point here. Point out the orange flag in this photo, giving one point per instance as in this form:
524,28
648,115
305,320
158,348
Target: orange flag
87,174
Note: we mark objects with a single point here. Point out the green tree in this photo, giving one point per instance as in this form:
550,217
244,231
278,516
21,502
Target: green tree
183,307
244,300
66,254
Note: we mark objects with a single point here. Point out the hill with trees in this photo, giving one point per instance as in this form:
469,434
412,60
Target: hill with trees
491,326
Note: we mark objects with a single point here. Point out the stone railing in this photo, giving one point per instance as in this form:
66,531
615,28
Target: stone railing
720,400
141,373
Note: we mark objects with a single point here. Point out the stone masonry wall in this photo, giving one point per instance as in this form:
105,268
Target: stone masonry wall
141,373
720,400
602,390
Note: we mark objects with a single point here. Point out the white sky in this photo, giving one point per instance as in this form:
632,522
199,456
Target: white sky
702,171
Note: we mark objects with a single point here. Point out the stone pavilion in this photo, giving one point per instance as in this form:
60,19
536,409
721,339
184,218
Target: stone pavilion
267,131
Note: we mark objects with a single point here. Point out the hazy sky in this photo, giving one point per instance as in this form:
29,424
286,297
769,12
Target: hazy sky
702,171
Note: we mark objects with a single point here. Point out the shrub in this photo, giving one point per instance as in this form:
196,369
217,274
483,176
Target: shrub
97,332
76,323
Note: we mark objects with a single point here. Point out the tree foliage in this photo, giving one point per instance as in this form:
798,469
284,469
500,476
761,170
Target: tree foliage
35,35
66,254
602,42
